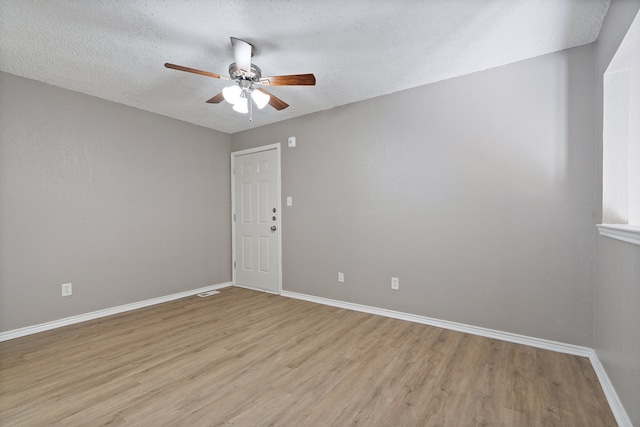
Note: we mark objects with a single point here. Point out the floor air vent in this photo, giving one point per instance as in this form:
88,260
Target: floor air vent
207,293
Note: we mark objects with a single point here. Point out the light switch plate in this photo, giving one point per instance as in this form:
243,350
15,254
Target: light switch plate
291,142
289,201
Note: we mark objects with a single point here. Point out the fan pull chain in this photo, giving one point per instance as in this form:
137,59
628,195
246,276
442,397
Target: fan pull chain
250,101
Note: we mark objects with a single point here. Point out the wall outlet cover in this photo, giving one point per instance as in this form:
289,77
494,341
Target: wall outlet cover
67,289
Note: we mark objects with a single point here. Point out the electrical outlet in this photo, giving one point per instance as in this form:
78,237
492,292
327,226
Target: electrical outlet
340,277
395,283
66,289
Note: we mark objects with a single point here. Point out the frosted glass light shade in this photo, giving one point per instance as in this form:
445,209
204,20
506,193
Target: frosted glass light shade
241,106
231,94
261,99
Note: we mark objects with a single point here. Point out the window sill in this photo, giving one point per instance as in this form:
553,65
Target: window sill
624,232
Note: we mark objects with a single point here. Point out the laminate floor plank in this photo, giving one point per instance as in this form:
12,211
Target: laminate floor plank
246,358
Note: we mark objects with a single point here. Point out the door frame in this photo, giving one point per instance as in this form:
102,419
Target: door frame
235,154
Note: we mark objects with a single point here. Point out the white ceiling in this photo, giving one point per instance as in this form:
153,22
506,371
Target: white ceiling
357,49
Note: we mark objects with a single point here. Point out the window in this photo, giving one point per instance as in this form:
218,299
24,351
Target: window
621,139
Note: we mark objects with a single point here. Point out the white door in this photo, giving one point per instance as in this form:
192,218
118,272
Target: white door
256,216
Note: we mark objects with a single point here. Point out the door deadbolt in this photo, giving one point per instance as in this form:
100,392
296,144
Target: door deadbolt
274,210
273,218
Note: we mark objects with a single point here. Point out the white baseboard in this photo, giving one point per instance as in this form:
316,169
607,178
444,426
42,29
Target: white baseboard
445,324
28,330
612,397
622,418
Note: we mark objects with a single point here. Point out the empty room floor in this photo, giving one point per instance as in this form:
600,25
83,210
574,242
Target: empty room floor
248,358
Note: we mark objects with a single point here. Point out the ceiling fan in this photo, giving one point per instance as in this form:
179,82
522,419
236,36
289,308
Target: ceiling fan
247,79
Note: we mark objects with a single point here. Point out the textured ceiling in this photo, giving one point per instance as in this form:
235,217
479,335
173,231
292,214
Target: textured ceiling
357,49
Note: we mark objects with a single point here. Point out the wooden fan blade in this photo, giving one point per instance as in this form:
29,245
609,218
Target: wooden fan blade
216,99
274,101
242,52
290,80
193,70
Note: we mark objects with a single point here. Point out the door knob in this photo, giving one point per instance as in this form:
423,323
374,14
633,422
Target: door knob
273,228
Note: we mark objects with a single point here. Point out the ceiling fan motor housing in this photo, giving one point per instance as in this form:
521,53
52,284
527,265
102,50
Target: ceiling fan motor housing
253,75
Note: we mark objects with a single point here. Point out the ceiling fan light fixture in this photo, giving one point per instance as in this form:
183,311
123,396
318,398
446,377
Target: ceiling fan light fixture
232,94
241,105
260,98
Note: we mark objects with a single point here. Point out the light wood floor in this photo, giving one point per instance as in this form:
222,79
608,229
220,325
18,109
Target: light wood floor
253,359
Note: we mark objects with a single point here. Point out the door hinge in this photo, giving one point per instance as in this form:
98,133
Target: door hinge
234,264
234,217
234,170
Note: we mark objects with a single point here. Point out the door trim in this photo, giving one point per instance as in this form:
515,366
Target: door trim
235,154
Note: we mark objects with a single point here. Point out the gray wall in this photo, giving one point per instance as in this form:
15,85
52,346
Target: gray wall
125,204
617,287
477,192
